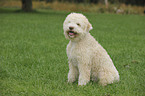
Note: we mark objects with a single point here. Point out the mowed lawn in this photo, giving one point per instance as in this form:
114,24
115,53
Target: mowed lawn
33,60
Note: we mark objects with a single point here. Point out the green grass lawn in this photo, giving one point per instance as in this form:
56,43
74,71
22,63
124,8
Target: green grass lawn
33,59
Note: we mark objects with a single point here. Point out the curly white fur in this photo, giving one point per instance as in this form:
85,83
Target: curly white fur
87,58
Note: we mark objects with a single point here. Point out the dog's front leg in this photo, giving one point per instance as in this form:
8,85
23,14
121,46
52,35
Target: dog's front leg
84,74
73,73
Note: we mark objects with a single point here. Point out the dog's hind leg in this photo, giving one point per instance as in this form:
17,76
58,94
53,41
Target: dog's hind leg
105,78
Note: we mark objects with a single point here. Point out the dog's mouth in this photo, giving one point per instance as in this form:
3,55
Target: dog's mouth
72,34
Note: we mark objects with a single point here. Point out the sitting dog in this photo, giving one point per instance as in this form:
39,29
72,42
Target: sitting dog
87,58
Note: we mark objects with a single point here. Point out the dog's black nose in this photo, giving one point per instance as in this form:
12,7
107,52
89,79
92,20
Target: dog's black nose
71,28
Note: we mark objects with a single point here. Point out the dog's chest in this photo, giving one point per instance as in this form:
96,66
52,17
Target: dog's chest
73,54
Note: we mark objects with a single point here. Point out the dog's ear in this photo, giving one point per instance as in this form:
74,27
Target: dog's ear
89,27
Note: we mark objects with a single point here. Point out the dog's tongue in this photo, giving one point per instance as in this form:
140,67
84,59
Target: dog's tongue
71,33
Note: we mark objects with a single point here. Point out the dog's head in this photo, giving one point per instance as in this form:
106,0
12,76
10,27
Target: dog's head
76,26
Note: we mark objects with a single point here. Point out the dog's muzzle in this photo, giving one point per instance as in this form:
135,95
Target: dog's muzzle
72,34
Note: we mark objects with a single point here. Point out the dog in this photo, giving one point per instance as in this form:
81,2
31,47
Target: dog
87,58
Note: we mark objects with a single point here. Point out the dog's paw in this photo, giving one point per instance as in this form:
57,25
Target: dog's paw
83,82
104,82
71,79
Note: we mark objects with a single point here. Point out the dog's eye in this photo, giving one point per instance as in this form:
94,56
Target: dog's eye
78,24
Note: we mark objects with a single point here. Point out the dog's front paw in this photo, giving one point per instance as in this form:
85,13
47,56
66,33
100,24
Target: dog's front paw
71,80
83,82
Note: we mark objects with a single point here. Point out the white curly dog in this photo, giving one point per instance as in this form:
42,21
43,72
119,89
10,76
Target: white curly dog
87,58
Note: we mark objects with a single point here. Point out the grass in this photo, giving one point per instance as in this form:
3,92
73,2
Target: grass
33,59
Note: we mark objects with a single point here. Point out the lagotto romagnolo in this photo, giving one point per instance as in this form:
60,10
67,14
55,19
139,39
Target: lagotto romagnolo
87,58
